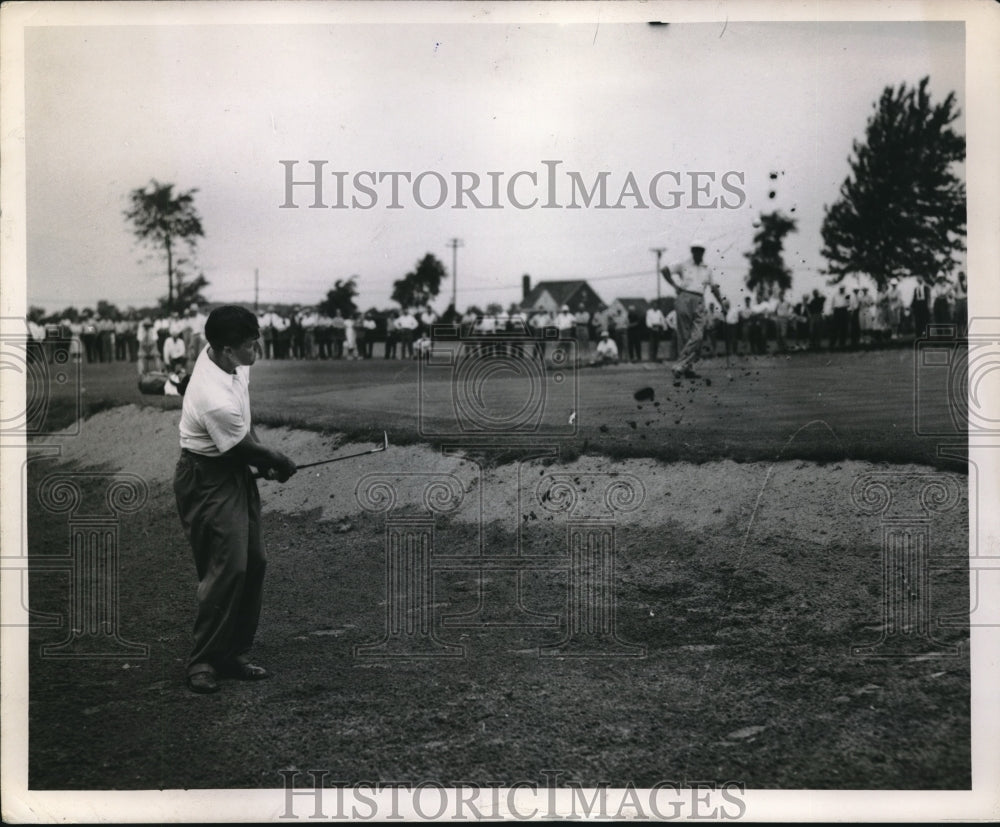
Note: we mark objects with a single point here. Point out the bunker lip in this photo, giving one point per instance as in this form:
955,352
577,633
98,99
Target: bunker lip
793,499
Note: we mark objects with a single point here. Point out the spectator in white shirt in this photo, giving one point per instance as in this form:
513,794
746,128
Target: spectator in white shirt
174,351
406,325
656,324
607,350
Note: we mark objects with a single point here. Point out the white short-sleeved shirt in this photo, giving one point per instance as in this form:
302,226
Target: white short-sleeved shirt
607,347
216,412
173,349
692,277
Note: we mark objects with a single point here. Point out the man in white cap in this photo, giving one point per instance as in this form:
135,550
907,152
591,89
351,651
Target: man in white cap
607,351
690,279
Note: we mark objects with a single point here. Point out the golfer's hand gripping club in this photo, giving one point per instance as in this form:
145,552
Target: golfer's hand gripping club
280,471
384,446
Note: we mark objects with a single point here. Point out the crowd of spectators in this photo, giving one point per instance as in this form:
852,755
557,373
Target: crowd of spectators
766,321
168,341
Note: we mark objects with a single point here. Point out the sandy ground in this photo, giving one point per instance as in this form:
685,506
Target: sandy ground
788,500
746,585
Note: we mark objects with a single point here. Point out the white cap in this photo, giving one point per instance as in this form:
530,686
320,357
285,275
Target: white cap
697,242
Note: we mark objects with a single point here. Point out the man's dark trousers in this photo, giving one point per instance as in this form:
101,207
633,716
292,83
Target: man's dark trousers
219,507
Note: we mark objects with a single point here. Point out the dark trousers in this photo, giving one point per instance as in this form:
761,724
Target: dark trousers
91,346
219,508
406,344
921,316
815,330
634,345
841,327
732,338
654,343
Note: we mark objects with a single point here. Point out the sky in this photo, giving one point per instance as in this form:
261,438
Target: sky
217,108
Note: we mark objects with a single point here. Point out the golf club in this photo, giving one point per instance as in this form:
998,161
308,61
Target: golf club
378,450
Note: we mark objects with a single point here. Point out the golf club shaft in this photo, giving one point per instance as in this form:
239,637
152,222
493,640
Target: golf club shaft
384,446
338,459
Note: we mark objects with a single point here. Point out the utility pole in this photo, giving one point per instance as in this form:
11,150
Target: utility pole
455,243
256,289
659,252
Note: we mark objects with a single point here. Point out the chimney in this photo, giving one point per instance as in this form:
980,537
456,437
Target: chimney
525,286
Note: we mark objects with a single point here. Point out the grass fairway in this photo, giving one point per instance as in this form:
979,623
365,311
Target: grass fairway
821,407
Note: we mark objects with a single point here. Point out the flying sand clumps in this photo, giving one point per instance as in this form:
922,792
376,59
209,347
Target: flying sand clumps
644,395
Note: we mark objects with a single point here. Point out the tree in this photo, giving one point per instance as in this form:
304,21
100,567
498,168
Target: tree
767,265
186,293
341,298
107,310
165,221
901,212
419,286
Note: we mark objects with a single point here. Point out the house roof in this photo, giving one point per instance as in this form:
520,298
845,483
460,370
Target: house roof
562,292
641,305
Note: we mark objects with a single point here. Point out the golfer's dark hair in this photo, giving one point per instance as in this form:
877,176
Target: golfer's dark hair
230,325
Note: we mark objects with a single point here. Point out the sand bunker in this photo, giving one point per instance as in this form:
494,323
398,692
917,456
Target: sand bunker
790,500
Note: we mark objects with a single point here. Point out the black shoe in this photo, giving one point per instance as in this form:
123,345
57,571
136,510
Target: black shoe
204,683
244,671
